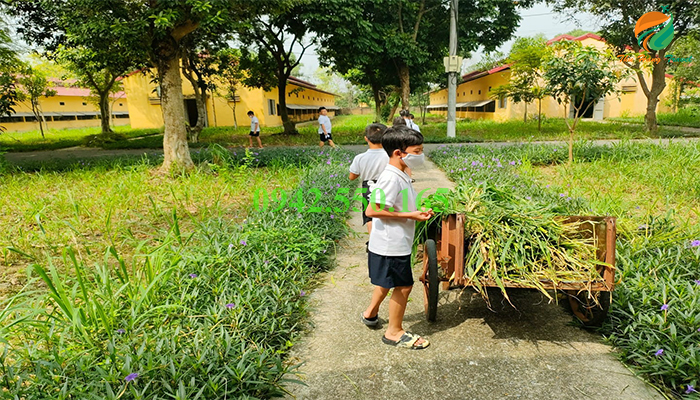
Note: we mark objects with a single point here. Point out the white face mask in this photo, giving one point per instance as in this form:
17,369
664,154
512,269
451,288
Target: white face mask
414,161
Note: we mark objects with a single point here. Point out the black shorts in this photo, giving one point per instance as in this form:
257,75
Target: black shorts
390,271
365,218
254,134
324,138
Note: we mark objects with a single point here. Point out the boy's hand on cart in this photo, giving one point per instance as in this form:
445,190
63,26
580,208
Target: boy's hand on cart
423,215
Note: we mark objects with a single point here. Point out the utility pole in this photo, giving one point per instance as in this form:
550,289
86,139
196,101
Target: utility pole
452,67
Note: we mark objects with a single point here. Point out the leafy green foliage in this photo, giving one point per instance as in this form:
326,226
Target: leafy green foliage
211,314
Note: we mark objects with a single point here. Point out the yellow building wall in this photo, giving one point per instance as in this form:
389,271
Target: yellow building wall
146,113
71,104
630,103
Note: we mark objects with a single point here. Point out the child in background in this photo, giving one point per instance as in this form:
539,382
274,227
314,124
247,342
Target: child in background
370,164
324,127
391,239
254,129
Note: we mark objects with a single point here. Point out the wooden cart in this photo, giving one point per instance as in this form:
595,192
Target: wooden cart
443,265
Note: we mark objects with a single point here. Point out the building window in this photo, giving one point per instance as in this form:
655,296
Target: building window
502,102
61,103
489,88
120,104
302,96
84,103
479,91
471,92
271,107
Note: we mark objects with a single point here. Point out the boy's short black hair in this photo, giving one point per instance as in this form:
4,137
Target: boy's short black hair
321,108
411,116
250,113
399,121
403,113
374,133
400,137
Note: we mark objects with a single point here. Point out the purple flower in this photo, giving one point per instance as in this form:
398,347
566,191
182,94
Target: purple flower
131,377
690,389
267,262
695,243
547,186
230,305
328,162
243,242
512,163
302,293
659,352
193,276
337,184
230,245
121,330
332,216
664,307
324,251
697,282
562,195
528,197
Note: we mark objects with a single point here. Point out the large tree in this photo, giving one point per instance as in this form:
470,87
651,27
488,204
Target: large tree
9,65
151,31
33,85
272,33
619,18
411,37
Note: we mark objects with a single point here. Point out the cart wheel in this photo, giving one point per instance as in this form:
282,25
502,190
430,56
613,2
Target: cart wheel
432,282
586,310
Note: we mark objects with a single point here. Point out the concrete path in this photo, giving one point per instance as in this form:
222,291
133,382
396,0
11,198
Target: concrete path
84,153
530,353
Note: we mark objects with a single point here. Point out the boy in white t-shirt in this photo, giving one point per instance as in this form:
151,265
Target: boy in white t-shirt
254,129
369,165
393,207
324,127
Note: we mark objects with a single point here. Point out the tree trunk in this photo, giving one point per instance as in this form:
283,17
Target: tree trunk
393,111
235,120
525,114
658,83
571,146
39,117
289,125
175,148
377,103
539,115
200,98
405,79
105,112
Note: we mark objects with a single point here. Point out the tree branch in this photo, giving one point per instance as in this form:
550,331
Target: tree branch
183,30
420,16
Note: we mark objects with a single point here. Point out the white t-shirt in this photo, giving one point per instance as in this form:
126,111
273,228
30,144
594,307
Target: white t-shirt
411,124
253,122
324,120
393,236
370,164
414,126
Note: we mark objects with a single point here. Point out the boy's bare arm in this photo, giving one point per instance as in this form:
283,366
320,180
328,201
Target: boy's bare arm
352,176
375,210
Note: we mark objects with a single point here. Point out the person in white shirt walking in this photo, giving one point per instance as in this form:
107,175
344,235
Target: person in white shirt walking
369,165
254,129
415,125
324,128
406,115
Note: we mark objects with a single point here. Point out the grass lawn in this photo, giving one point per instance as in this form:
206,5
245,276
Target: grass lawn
119,202
347,129
684,117
149,286
60,138
653,321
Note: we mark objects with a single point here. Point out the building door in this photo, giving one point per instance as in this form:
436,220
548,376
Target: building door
191,111
599,109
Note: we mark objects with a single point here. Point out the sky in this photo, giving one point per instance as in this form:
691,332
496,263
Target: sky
538,19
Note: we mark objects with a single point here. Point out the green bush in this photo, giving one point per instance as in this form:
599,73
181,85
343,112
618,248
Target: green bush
101,139
207,315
